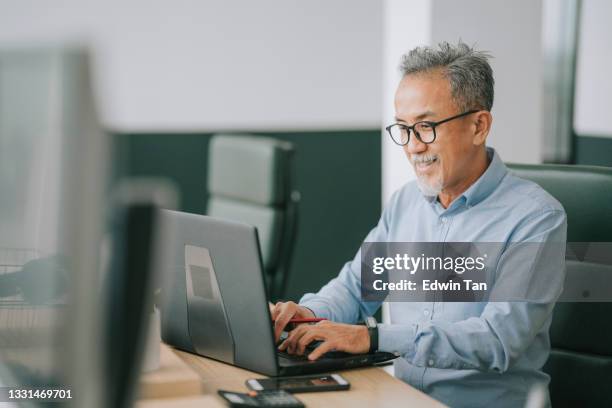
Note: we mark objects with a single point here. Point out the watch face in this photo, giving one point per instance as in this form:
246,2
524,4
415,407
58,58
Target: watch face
370,322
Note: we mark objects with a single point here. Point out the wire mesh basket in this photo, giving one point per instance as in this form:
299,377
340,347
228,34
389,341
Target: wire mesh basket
20,320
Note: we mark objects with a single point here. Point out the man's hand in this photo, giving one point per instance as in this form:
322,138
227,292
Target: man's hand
334,336
282,312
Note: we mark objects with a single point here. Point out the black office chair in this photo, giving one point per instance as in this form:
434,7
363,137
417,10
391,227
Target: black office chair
250,179
580,363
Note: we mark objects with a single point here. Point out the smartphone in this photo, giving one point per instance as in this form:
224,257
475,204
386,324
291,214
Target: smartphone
307,383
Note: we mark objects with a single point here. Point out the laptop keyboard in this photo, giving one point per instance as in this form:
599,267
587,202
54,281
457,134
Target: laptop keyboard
309,348
304,357
293,357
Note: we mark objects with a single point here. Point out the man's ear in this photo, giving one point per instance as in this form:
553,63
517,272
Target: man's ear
482,125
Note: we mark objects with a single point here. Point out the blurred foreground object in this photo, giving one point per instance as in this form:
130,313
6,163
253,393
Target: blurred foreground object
52,180
67,320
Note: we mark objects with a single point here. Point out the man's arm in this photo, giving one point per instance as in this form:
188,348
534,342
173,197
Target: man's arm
494,340
340,299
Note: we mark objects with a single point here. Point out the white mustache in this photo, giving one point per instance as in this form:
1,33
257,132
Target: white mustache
422,158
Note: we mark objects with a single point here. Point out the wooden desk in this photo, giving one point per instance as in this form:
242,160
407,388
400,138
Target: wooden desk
370,387
173,379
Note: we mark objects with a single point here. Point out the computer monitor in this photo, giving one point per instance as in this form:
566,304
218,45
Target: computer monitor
58,327
52,180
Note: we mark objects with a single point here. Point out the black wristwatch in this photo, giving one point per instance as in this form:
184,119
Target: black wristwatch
372,326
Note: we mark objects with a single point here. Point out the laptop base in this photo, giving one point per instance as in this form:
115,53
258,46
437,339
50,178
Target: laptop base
299,365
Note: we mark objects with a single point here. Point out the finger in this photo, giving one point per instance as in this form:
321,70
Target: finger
281,321
322,349
308,338
275,309
283,345
294,337
271,307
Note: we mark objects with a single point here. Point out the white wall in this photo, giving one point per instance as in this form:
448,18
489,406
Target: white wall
512,32
219,64
406,25
593,102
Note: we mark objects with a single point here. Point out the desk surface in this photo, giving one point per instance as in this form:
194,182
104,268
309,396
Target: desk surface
370,387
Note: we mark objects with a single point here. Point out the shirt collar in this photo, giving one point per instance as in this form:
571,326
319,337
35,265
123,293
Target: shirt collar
482,187
488,181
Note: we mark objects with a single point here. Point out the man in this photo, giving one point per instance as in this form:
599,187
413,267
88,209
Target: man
463,354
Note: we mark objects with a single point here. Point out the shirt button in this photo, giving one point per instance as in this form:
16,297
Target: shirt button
430,362
443,220
426,312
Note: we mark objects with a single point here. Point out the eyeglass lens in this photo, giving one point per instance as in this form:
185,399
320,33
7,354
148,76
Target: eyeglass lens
400,133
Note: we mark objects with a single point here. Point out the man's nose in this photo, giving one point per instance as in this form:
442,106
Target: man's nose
415,145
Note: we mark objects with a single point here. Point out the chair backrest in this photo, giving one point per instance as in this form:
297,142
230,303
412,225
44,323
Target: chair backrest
580,364
250,179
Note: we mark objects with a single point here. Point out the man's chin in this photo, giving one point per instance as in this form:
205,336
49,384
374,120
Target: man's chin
429,189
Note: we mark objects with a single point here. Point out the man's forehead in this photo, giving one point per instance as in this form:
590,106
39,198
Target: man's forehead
415,116
422,96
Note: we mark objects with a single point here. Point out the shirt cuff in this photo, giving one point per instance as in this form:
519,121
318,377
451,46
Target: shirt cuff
397,338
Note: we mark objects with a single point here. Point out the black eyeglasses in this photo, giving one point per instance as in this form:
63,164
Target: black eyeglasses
425,131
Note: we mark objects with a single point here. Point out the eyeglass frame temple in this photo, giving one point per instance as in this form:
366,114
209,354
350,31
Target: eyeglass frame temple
434,124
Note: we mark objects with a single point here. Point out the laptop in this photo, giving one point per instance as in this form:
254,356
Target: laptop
214,300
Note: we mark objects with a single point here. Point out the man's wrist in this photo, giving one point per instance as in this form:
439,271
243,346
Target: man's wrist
318,309
309,310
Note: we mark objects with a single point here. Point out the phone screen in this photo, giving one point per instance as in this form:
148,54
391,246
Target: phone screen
302,384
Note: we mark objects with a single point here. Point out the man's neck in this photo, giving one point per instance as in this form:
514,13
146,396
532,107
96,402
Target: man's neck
448,195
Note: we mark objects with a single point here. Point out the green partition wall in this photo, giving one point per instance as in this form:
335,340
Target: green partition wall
591,150
337,173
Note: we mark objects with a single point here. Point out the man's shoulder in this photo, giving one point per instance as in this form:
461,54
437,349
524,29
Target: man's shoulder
528,195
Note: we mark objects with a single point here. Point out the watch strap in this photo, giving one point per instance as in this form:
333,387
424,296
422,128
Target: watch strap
372,326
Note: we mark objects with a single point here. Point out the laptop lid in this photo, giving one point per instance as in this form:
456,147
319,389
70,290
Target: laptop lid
215,301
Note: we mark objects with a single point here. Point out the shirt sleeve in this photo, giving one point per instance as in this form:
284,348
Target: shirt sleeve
340,299
494,340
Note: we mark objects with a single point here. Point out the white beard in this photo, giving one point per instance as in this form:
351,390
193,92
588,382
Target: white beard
429,190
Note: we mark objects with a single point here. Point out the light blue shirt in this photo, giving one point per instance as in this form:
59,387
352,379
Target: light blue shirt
464,354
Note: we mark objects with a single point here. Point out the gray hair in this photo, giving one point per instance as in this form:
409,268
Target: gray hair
467,70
